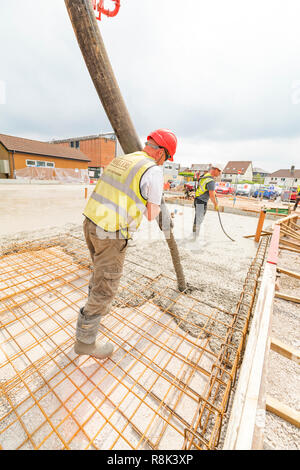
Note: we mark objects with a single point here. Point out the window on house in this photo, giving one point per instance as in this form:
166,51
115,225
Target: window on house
72,144
282,179
50,164
77,144
40,163
30,162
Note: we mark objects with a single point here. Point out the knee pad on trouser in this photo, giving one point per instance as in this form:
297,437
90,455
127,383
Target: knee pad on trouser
87,327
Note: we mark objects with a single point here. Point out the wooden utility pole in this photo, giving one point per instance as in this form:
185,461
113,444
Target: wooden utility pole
94,53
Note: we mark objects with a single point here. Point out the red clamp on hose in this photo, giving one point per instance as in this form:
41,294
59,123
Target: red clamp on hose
101,10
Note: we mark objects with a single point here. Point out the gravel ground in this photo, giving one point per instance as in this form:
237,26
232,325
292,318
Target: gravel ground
283,379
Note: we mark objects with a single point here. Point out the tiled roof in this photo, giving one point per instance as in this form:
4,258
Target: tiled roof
234,167
200,166
36,147
285,174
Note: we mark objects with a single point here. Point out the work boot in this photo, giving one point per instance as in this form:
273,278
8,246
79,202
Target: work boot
100,351
86,332
193,237
190,238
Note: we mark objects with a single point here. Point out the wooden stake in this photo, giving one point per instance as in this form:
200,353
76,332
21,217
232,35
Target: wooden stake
260,225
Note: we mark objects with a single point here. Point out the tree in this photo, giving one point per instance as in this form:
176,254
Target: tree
258,179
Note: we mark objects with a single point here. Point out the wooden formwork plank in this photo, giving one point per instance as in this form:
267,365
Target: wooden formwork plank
290,232
297,227
279,295
289,273
273,249
285,350
263,234
288,219
283,411
245,428
282,247
295,246
246,424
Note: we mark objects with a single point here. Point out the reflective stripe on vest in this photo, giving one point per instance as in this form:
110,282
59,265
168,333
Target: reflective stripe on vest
117,203
207,178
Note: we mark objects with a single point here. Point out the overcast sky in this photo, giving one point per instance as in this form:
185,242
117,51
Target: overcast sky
224,75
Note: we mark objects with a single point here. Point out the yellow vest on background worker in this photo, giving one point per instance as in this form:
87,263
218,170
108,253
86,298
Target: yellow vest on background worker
117,203
202,184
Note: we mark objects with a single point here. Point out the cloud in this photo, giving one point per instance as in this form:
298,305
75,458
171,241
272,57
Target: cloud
270,154
223,75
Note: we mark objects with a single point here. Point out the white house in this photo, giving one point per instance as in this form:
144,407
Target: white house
284,178
171,170
236,171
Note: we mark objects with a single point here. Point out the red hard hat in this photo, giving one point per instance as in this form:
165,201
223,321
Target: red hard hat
165,138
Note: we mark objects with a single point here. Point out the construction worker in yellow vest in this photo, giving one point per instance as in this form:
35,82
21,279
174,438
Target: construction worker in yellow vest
131,187
204,192
297,199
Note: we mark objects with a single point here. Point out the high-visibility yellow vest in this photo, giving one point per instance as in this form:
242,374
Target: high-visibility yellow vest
117,203
298,189
202,184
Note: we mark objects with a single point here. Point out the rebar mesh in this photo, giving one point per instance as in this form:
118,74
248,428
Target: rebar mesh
168,383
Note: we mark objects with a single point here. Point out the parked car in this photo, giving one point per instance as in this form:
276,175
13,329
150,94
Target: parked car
265,193
242,192
191,185
244,189
287,195
224,190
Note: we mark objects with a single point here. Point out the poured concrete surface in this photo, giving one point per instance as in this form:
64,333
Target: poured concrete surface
25,207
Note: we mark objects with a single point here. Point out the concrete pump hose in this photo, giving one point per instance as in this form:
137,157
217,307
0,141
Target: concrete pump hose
97,61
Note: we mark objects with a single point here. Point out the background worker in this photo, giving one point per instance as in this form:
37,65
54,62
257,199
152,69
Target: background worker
204,192
131,186
297,199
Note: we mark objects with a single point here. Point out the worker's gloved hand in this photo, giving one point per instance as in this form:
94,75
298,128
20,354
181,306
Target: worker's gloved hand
164,220
216,207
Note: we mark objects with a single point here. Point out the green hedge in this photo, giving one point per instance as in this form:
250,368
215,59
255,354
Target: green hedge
186,173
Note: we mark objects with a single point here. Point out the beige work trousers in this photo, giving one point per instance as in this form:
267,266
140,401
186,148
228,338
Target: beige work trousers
108,255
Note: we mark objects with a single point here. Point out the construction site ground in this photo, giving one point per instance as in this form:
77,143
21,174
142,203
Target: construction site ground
248,204
215,270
